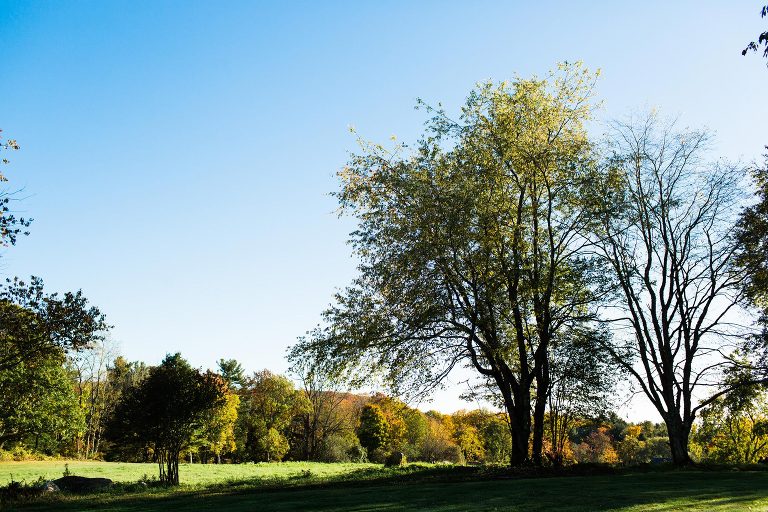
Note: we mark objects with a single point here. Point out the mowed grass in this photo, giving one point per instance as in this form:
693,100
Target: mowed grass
437,490
191,474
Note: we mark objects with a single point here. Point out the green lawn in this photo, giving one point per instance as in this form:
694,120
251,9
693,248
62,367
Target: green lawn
193,474
415,489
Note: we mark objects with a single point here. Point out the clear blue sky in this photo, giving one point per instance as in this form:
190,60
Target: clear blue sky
177,156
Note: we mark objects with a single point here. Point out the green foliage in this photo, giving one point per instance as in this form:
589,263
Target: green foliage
343,448
468,247
232,372
374,429
642,444
165,410
734,429
37,402
269,403
753,258
38,405
217,435
45,323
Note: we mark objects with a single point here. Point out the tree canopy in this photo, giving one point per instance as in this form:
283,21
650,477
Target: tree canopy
469,247
165,410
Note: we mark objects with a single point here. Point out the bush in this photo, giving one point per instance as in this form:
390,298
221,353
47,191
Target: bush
342,448
439,450
357,453
20,453
378,456
395,459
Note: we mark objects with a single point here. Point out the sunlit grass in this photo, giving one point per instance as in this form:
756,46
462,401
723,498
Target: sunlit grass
367,487
192,474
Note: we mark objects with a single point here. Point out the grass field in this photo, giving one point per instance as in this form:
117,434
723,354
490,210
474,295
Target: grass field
192,474
346,487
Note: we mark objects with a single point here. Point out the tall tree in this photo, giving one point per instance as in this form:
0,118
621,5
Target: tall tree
54,322
374,429
269,404
668,235
37,330
753,258
37,400
232,372
469,248
217,436
90,367
327,414
165,411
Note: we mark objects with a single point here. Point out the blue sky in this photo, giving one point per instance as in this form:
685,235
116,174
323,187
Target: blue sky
177,156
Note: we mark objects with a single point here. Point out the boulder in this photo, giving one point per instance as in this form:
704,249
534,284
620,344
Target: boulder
49,486
82,484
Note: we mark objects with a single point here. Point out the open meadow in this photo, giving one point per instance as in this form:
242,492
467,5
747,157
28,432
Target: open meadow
364,487
190,474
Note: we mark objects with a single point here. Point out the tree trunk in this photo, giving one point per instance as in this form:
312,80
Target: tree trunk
542,392
520,427
538,430
678,441
173,468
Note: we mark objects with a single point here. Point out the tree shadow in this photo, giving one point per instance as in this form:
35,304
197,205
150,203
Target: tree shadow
665,491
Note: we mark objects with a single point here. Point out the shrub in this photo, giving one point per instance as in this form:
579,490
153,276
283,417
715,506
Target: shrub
395,459
357,453
378,455
342,448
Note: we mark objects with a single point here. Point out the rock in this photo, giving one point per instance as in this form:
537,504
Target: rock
82,484
49,487
395,459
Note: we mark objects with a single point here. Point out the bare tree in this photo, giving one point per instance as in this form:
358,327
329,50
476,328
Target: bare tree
667,232
90,367
327,415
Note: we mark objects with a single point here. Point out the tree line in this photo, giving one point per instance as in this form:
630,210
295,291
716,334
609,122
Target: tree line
116,410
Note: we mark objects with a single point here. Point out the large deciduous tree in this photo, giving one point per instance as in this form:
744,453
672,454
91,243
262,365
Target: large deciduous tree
469,248
328,414
165,410
753,258
37,400
37,330
269,403
668,234
53,323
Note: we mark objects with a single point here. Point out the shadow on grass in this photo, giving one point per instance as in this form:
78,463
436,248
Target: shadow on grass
448,489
